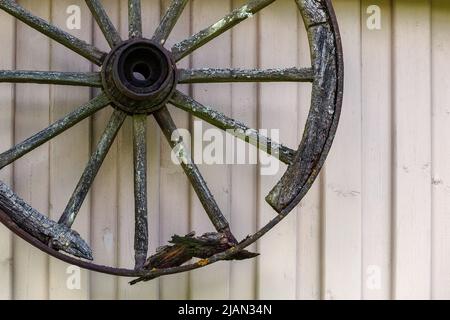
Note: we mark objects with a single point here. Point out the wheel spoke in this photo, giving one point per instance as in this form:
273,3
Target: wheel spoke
140,189
169,20
103,21
185,47
242,75
79,46
233,127
205,196
92,168
53,130
87,79
134,19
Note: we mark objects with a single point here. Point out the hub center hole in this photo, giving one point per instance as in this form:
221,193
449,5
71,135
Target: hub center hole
141,71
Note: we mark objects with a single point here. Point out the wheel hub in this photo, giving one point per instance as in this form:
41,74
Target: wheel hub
139,76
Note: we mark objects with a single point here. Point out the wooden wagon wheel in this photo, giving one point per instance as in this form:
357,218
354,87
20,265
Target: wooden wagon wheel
138,78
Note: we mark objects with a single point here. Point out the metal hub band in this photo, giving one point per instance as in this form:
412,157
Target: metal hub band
139,76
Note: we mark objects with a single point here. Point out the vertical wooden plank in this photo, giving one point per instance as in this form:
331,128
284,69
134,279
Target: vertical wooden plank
8,38
69,152
213,282
440,150
376,150
342,225
31,173
150,290
174,186
244,176
412,225
278,110
310,211
104,190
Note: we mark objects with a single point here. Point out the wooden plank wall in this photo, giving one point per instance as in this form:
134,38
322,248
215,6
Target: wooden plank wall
374,226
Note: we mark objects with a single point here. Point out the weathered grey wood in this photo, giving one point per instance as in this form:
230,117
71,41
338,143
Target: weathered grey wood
134,19
53,130
300,174
242,75
169,20
79,46
92,168
104,22
234,127
48,231
313,12
185,47
140,189
87,79
205,196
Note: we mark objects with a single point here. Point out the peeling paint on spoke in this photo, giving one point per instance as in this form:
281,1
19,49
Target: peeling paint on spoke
92,168
53,130
109,31
140,189
134,19
169,20
243,75
185,47
79,46
233,127
87,79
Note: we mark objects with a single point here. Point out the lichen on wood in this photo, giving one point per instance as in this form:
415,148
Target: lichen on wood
46,230
88,79
184,48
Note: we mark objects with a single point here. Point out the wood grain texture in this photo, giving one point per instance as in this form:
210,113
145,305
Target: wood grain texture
278,110
31,173
309,235
213,282
342,203
74,147
174,215
440,280
7,62
376,153
104,194
150,19
412,138
244,176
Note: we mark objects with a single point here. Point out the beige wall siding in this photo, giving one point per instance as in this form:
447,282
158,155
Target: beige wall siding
374,226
